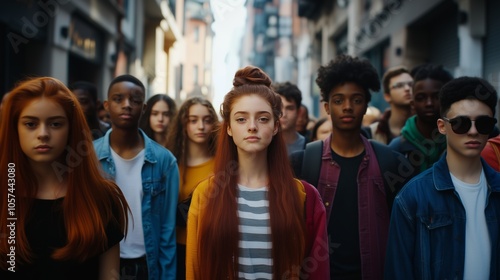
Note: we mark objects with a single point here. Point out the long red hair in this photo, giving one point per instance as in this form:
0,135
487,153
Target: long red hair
91,202
219,236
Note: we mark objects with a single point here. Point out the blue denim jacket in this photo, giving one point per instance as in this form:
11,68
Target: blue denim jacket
160,185
427,230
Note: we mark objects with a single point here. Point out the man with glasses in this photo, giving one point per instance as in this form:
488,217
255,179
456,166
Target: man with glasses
420,140
397,84
444,222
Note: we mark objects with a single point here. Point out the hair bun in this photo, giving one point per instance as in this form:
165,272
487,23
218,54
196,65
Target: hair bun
251,75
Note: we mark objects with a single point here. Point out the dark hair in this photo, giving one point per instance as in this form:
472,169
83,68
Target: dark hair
144,123
316,126
431,71
127,78
289,91
467,88
86,86
391,73
343,69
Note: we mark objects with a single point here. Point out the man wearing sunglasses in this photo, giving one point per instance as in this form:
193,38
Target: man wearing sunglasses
444,223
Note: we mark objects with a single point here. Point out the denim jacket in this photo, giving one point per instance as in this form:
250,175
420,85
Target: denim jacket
160,185
373,210
427,230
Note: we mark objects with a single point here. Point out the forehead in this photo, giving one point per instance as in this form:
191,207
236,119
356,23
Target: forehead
401,77
43,106
126,87
469,107
427,86
348,88
161,105
250,103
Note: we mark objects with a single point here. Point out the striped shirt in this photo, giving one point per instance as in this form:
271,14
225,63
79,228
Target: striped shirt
255,256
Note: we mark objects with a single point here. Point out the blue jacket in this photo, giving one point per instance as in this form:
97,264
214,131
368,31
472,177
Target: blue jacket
160,185
427,230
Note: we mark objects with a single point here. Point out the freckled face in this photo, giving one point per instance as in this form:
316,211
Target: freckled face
252,124
43,130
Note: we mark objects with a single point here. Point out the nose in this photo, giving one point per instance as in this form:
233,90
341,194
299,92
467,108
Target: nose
252,125
347,105
126,103
43,132
201,124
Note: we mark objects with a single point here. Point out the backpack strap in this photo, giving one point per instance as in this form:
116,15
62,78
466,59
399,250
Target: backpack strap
311,163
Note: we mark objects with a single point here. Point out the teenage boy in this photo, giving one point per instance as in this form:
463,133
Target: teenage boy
397,85
420,140
444,223
351,176
148,176
291,97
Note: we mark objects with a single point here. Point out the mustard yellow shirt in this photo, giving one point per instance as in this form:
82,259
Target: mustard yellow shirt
194,175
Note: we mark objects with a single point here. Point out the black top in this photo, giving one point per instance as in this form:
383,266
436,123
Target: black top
45,231
343,228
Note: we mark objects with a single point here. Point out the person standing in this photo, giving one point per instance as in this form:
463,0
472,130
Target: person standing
63,219
252,219
147,174
160,109
397,85
291,97
444,223
192,139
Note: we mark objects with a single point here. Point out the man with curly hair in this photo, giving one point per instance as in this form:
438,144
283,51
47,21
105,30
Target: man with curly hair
351,181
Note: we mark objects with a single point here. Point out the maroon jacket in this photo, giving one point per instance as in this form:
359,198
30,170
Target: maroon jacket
373,211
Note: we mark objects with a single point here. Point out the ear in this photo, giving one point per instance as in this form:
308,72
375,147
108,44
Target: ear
276,127
229,131
327,107
441,124
105,104
144,106
387,97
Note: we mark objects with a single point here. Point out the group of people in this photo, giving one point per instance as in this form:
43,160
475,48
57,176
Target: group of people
181,193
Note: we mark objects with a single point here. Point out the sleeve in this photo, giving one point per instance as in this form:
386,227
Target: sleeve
317,262
490,156
400,244
192,265
168,247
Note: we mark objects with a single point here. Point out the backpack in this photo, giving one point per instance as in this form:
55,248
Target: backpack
389,162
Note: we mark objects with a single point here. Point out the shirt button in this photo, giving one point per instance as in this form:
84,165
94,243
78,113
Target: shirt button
327,204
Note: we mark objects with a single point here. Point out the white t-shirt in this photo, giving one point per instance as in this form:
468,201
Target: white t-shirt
129,179
477,240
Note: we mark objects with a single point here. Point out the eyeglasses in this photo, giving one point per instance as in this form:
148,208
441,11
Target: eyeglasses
402,85
462,124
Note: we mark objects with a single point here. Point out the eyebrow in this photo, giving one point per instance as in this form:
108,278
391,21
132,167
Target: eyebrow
245,112
37,118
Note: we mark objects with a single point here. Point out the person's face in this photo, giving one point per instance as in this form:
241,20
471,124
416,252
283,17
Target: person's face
470,144
302,119
324,130
160,117
252,124
426,100
200,124
289,115
104,116
43,130
86,102
346,107
125,105
400,90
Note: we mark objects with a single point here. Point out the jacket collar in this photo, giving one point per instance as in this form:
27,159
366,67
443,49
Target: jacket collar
104,151
442,179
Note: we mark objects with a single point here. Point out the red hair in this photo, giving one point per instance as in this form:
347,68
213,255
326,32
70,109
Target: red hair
219,236
91,202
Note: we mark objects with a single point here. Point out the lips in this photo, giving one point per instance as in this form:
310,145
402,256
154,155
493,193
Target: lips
126,116
473,144
43,148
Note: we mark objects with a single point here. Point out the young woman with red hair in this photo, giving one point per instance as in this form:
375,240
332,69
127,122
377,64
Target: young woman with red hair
252,219
60,219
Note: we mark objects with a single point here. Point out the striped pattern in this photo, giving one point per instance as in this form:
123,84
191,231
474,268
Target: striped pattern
255,259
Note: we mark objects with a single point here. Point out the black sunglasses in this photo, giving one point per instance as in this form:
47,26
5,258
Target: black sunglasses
462,124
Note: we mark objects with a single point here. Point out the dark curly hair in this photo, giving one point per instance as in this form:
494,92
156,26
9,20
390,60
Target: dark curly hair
467,88
344,69
431,71
289,91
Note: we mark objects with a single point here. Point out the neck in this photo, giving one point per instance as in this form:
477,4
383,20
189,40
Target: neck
197,154
426,129
465,169
252,170
161,138
398,118
51,183
347,143
289,136
126,142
